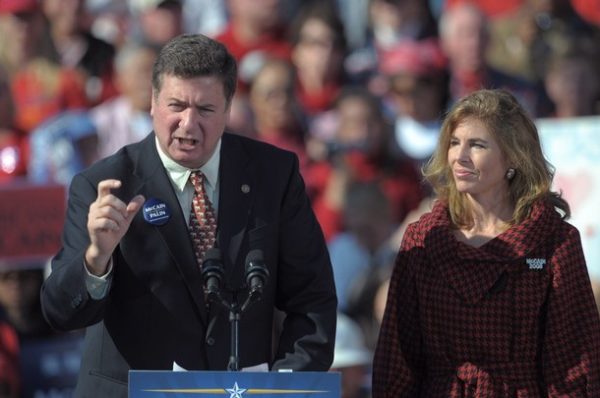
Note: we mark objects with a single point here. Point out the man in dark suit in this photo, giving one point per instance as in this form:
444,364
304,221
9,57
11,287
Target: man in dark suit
133,277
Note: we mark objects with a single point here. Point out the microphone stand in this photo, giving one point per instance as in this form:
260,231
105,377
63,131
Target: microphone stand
256,274
235,314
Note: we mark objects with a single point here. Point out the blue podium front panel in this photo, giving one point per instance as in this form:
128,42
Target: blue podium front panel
205,384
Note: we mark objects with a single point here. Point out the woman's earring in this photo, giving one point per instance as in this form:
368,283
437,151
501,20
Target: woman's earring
510,173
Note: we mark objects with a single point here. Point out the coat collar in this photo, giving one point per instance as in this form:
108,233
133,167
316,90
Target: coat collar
472,271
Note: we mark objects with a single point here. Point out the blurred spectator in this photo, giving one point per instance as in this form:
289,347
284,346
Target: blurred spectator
48,361
366,300
352,359
394,21
208,17
318,52
418,95
277,117
62,146
362,149
23,34
364,244
109,20
355,18
77,48
522,42
19,298
256,28
40,86
464,38
558,28
13,148
391,22
9,360
241,118
126,118
511,41
43,89
155,22
573,84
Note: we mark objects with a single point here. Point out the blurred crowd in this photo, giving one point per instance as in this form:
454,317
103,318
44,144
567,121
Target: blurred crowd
356,88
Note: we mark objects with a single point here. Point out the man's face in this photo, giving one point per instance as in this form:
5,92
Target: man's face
466,39
134,78
189,117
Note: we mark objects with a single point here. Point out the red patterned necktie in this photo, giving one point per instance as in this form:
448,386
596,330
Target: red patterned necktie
203,223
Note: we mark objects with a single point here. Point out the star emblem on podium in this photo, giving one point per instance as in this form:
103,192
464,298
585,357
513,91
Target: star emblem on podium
236,391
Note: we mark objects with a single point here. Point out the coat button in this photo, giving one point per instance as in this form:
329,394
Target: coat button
210,341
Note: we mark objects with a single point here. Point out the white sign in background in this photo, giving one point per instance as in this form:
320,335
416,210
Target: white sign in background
573,148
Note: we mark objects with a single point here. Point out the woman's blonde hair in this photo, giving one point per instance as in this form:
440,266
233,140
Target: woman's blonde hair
518,138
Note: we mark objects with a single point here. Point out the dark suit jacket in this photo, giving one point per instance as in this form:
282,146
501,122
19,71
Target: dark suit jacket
155,312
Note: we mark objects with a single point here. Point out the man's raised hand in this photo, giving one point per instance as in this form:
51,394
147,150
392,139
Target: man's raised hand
108,221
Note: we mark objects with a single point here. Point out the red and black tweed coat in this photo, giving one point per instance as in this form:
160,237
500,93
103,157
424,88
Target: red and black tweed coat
515,317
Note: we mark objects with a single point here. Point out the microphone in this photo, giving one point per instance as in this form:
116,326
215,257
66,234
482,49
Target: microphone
212,273
257,273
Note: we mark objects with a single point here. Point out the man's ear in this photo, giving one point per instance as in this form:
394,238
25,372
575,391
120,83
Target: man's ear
152,101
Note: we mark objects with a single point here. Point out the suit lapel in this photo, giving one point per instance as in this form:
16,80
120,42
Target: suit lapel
158,185
236,195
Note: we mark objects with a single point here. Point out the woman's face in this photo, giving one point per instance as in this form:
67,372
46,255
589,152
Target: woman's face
272,96
316,54
477,162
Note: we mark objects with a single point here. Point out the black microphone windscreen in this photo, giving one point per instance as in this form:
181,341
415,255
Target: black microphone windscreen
213,253
255,255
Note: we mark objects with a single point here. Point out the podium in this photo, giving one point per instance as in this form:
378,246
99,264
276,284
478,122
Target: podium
219,384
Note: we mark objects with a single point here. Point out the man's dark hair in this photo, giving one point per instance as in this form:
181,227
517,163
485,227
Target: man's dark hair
194,55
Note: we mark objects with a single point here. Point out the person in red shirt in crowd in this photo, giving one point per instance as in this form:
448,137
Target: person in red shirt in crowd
417,95
278,120
76,47
42,90
318,53
361,151
40,86
254,27
464,36
390,24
